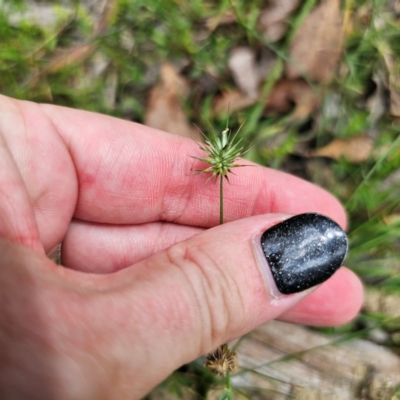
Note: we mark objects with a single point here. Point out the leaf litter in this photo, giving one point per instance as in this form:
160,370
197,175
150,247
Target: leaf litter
272,22
314,53
316,47
356,149
164,109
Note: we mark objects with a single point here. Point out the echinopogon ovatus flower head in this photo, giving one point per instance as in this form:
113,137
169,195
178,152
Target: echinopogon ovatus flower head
222,152
222,360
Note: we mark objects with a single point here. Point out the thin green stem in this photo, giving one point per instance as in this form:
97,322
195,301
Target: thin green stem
228,381
221,221
221,200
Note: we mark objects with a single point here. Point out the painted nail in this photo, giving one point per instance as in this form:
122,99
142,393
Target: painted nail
304,251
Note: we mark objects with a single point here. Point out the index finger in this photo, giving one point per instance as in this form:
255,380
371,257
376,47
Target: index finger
131,174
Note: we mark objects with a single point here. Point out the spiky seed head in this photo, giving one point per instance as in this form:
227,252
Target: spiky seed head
222,360
222,153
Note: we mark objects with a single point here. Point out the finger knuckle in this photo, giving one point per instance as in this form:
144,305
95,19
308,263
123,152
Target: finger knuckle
214,290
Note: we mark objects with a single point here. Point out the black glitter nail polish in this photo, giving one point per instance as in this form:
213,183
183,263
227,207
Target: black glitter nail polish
304,251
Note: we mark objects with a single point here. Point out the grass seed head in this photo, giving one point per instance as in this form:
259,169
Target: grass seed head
222,360
222,153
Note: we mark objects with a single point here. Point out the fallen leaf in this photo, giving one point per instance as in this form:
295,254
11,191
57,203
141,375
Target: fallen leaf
395,100
79,52
287,92
226,18
62,59
394,81
377,104
248,71
356,149
164,110
280,98
392,219
394,6
316,48
272,20
242,64
70,56
107,13
234,100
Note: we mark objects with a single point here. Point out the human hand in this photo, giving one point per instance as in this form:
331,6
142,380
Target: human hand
121,198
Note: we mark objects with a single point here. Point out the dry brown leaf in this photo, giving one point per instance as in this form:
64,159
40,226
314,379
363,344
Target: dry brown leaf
394,80
78,53
395,99
272,20
281,99
393,219
234,100
228,17
356,149
248,73
164,110
107,15
377,104
394,6
70,56
64,58
316,48
243,66
288,92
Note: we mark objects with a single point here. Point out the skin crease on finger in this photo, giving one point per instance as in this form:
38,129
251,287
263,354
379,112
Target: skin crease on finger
52,185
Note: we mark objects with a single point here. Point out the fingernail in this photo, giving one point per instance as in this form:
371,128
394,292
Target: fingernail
304,251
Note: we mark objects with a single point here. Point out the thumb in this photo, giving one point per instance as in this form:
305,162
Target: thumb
70,335
222,283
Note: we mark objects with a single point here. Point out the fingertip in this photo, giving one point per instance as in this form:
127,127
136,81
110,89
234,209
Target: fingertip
336,302
282,193
325,203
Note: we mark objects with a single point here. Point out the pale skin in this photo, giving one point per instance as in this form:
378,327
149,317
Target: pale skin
148,287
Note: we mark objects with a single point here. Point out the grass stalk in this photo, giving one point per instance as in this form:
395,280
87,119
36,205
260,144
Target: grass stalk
221,200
